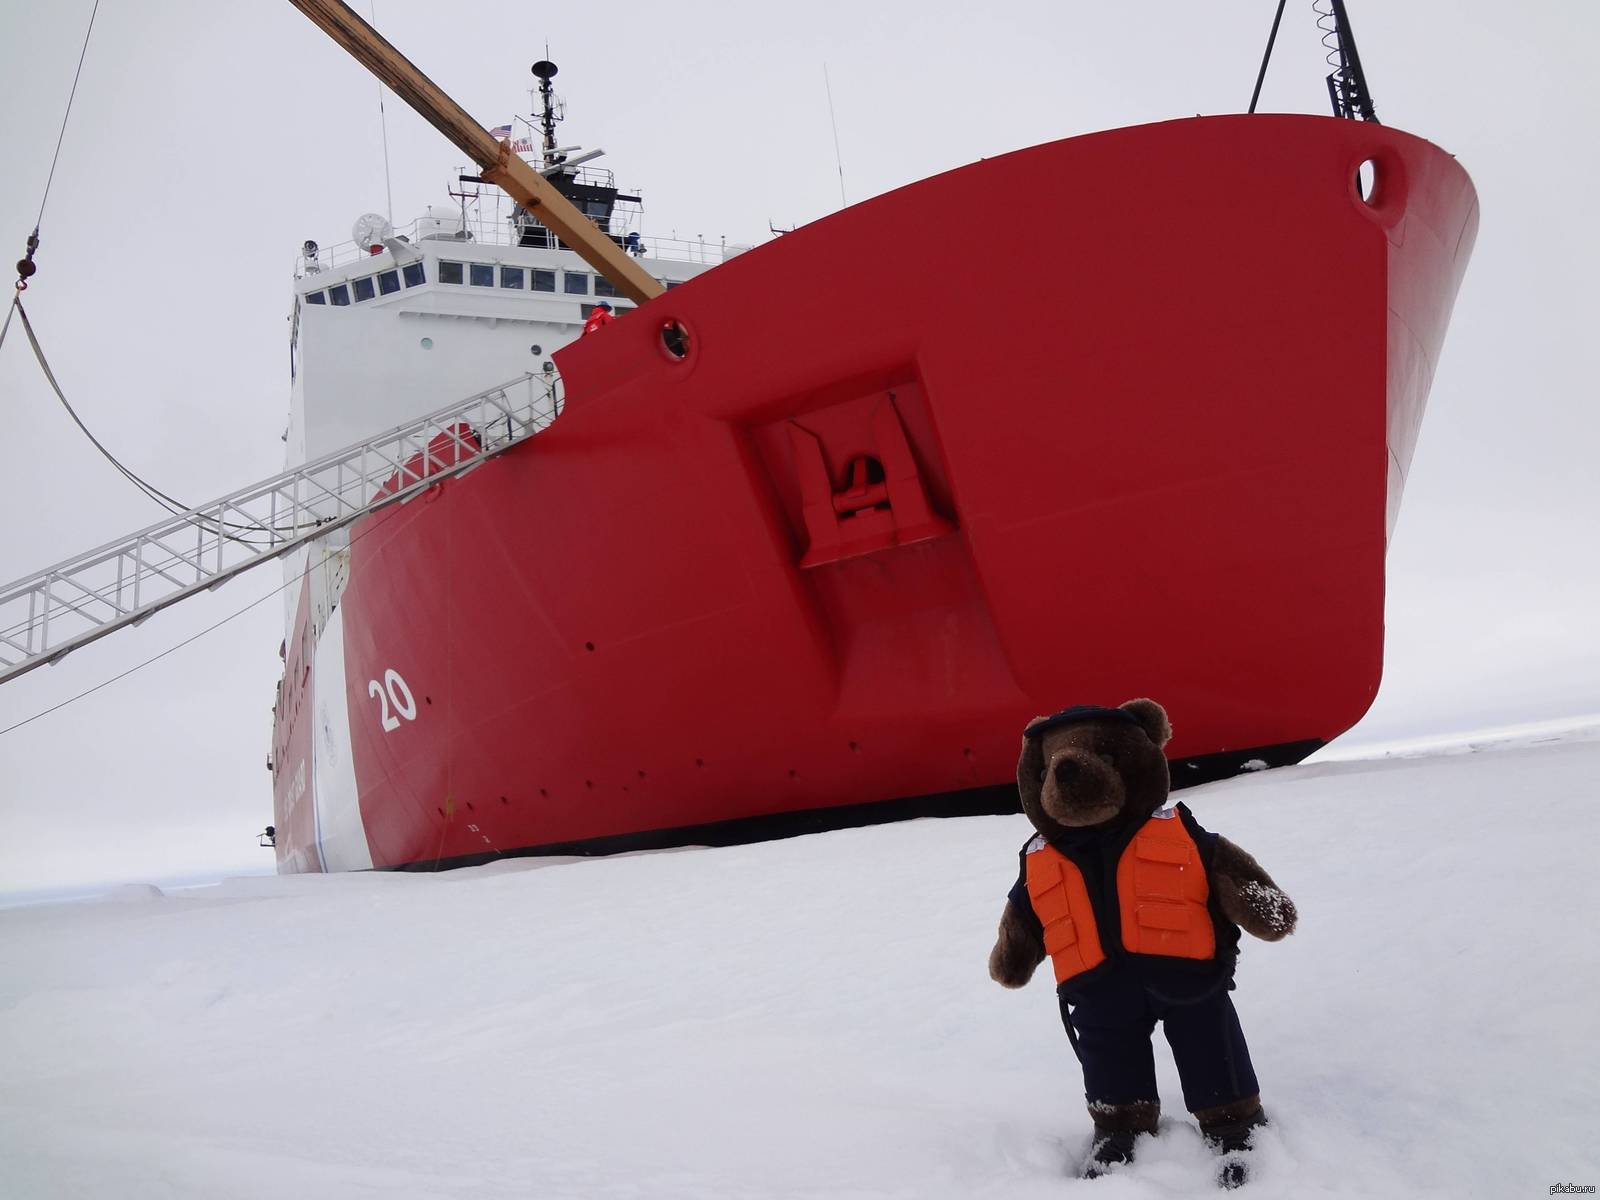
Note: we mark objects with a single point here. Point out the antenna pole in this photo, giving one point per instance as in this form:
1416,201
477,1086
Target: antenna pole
834,121
383,123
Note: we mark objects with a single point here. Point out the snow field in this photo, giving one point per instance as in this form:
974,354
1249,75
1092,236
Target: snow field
813,1017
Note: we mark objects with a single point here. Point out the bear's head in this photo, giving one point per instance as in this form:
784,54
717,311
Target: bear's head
1088,767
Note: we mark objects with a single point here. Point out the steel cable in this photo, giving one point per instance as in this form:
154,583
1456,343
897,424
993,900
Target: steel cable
60,137
173,505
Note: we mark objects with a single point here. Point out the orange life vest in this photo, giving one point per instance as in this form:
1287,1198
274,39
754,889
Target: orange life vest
1161,892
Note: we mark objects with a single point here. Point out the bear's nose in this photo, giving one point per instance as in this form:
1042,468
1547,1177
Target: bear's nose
1065,771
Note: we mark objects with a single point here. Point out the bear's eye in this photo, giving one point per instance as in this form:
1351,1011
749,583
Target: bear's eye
1042,773
1108,758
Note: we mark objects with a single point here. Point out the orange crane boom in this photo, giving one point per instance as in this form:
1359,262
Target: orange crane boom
497,164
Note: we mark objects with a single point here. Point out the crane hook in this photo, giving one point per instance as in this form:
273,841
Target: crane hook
25,265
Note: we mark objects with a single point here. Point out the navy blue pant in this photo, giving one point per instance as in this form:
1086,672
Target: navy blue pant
1112,1021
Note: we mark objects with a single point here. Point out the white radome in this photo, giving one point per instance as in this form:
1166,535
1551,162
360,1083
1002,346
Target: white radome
370,229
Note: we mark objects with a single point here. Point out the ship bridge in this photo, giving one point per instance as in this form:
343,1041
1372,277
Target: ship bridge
467,293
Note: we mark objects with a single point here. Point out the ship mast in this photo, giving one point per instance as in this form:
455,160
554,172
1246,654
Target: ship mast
497,163
545,70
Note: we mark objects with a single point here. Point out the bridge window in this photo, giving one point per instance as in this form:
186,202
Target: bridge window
671,283
363,288
339,295
316,298
414,274
604,286
544,281
389,282
511,277
449,272
576,283
480,274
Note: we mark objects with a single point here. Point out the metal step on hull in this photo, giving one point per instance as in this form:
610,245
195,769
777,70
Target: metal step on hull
906,486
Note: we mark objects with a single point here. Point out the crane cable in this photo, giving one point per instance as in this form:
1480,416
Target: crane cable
148,489
105,683
26,268
171,504
25,265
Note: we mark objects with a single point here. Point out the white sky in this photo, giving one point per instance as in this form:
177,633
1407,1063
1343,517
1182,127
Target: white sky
210,138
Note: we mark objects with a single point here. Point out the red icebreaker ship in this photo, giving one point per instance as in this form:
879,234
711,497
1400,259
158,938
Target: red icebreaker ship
817,532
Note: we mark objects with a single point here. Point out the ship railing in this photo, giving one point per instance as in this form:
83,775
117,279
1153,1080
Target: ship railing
457,233
591,176
47,615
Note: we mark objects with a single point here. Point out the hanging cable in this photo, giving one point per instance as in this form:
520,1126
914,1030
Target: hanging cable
25,265
170,503
256,603
174,506
155,658
260,600
72,95
27,268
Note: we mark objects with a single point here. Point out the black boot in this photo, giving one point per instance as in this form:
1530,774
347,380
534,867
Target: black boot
1115,1127
1111,1147
1231,1139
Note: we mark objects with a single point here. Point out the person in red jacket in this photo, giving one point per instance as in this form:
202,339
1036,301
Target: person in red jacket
599,316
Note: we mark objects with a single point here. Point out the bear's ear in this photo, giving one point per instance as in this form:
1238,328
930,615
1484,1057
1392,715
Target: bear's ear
1030,772
1152,717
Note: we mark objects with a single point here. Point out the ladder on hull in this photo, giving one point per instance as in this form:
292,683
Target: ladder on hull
46,616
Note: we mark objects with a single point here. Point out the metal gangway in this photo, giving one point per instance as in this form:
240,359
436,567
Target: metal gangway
48,615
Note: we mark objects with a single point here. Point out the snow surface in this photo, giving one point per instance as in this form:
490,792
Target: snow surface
813,1018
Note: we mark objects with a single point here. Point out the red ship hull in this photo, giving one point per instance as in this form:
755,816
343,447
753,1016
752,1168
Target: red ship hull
915,481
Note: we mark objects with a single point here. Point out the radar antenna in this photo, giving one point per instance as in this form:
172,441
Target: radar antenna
369,231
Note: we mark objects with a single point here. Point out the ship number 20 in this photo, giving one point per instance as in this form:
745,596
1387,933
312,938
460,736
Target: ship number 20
393,691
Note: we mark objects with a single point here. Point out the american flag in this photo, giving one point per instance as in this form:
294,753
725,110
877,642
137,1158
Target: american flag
500,132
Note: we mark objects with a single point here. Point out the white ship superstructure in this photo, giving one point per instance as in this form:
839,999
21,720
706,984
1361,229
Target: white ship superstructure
398,322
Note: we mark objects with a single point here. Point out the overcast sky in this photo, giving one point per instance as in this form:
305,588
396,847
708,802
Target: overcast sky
211,137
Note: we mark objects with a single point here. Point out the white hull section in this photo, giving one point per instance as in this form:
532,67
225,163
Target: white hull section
341,835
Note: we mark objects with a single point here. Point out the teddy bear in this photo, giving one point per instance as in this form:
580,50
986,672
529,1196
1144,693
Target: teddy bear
1139,910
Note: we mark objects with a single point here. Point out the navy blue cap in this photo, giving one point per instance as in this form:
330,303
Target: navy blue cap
1079,712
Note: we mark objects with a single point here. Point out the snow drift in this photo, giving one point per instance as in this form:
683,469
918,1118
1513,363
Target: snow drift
813,1018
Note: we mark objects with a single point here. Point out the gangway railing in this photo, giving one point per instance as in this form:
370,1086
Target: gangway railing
52,613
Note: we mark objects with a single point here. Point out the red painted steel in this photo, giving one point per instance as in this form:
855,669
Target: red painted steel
916,481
